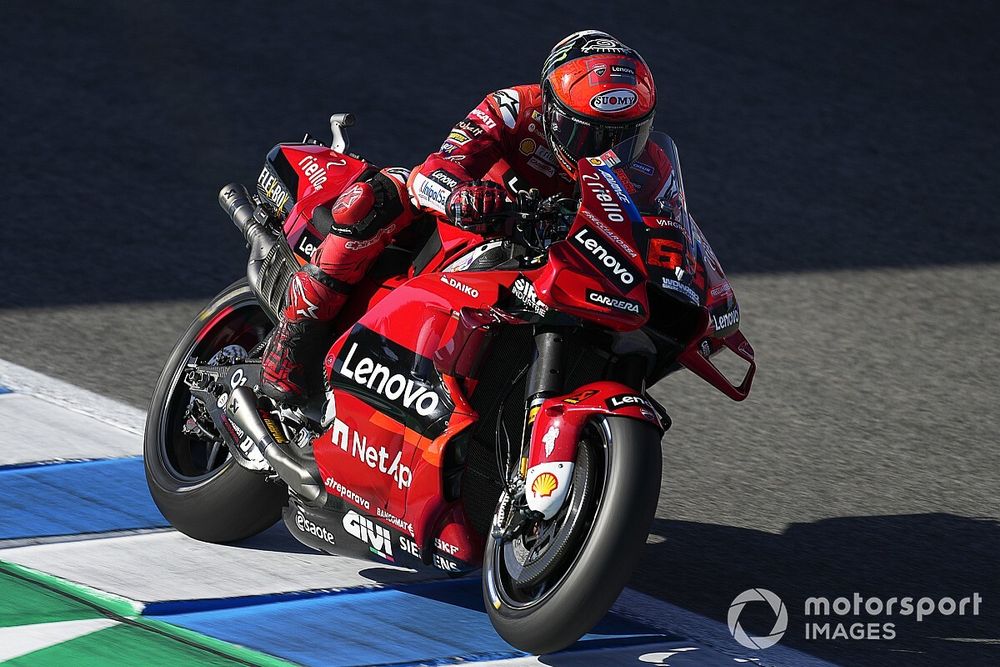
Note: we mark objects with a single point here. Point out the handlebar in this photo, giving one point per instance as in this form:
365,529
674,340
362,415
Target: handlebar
530,206
537,220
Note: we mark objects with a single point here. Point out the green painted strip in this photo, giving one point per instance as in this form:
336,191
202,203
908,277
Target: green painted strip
28,597
236,651
120,645
23,603
114,604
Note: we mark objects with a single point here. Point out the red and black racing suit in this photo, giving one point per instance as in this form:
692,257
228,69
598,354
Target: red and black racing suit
501,140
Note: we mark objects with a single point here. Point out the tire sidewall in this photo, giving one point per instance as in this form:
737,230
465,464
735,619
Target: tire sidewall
609,553
232,504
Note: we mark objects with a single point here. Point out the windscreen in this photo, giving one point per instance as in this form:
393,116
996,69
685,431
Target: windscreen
672,252
653,177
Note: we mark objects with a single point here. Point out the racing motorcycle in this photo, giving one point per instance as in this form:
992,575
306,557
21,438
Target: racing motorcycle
483,401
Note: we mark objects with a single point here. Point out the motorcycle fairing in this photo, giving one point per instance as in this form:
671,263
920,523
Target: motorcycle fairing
465,260
555,435
721,315
419,340
392,377
344,530
295,179
675,246
681,262
696,360
450,243
597,273
398,379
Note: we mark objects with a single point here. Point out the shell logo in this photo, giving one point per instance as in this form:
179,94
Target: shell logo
544,485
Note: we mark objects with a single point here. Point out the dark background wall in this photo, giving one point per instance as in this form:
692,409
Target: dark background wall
813,135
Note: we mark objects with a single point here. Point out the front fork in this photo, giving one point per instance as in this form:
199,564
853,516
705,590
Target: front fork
546,378
555,421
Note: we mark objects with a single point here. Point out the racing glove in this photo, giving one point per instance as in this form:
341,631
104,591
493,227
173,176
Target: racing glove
476,205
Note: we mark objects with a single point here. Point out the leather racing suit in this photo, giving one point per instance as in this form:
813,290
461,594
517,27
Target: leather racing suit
501,140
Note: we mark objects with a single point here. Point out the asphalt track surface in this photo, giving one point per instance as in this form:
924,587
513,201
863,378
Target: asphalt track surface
841,156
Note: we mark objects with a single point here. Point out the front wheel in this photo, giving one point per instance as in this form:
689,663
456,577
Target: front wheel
543,598
196,484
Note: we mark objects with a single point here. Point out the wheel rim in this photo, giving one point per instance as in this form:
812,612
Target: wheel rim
196,459
503,574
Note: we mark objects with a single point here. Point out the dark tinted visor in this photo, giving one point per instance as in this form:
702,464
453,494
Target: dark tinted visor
581,138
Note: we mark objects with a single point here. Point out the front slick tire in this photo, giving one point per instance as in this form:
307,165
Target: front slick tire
628,487
209,497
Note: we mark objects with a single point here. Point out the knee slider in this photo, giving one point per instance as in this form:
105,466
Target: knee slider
366,208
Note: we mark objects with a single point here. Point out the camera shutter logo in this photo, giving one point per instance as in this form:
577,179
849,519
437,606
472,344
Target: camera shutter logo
780,622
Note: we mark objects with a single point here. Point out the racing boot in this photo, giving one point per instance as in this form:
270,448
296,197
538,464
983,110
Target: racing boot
291,364
366,217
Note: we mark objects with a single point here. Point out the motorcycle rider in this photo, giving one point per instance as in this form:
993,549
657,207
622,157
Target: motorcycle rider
594,93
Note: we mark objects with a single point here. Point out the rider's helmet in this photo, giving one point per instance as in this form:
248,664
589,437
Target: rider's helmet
596,92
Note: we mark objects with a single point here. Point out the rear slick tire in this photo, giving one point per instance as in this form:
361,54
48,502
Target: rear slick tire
224,503
625,506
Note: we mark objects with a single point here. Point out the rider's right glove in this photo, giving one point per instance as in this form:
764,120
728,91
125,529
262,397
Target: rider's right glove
476,205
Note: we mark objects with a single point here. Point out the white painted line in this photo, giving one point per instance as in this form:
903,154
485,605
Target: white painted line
665,654
23,639
61,539
170,566
26,381
35,429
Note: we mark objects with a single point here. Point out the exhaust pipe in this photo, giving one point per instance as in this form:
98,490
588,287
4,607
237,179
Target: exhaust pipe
242,410
271,263
235,201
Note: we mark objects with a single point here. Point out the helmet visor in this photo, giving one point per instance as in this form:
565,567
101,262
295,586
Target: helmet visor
579,138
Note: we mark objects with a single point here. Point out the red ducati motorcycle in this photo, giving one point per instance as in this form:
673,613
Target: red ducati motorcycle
483,402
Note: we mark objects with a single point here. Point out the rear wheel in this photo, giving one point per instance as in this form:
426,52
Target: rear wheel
197,485
548,586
